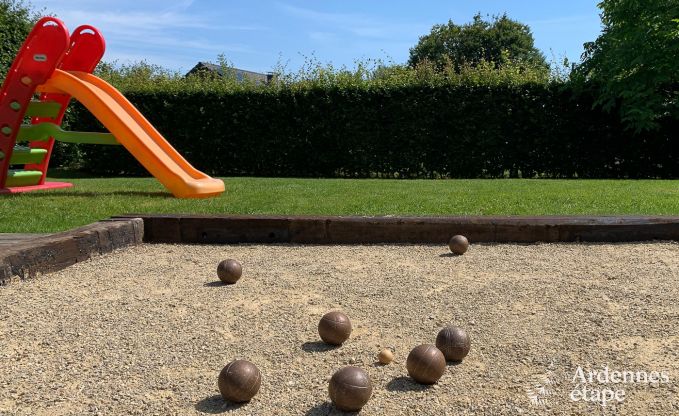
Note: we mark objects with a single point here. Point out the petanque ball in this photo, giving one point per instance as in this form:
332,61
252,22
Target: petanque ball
458,244
239,381
229,271
453,342
334,328
350,388
426,364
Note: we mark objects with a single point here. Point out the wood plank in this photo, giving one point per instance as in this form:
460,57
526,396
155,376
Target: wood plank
221,229
8,239
31,255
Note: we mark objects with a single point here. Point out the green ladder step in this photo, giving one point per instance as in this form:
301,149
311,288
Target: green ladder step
43,131
23,177
43,109
23,155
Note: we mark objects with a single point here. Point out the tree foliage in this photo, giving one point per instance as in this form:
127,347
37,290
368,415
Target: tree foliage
143,76
16,21
389,128
499,40
634,64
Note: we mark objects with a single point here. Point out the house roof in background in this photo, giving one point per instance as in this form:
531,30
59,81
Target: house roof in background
219,69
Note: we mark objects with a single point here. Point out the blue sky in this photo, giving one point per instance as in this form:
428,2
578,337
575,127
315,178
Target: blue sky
256,35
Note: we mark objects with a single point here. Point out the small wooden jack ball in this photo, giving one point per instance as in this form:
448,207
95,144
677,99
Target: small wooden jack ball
229,271
350,388
334,328
239,381
458,244
426,364
453,342
385,356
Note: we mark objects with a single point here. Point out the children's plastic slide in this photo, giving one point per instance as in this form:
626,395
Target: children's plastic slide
59,66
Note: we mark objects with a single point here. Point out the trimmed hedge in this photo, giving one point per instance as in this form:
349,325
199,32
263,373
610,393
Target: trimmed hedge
411,131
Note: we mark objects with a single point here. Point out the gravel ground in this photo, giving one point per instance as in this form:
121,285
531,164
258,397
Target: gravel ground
145,331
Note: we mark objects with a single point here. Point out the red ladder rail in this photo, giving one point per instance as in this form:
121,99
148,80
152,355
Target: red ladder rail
86,50
35,62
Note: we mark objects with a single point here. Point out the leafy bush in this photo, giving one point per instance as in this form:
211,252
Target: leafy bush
632,66
389,122
499,40
16,21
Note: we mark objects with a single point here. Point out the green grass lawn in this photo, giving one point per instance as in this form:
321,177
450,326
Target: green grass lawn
94,199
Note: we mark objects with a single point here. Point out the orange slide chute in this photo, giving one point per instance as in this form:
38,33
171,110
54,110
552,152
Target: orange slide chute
135,133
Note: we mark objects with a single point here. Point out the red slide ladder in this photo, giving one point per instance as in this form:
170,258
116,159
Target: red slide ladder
46,48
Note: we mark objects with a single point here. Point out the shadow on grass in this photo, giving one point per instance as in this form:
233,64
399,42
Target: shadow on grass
69,194
406,384
318,346
216,404
73,174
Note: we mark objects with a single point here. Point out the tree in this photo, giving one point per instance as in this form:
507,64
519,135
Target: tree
491,41
16,21
634,64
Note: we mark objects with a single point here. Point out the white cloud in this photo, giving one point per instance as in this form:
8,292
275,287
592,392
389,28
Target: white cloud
170,33
324,36
142,22
356,24
338,18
